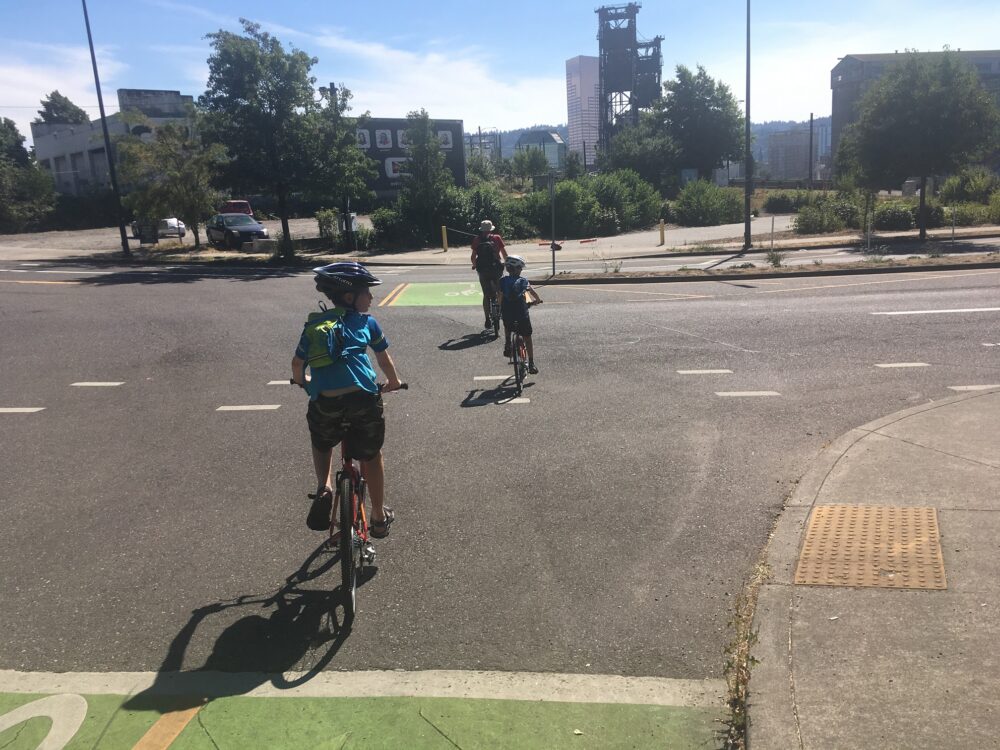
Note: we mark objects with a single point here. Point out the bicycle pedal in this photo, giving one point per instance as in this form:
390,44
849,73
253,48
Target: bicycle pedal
368,552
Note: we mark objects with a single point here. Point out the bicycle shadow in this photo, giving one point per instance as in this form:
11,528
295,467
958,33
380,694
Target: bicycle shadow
258,648
502,393
467,341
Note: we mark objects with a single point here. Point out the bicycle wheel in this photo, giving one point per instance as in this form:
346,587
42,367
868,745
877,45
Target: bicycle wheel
495,315
516,357
350,544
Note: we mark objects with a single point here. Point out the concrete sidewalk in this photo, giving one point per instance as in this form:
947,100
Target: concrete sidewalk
848,666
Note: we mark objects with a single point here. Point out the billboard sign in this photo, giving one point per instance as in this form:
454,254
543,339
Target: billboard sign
383,139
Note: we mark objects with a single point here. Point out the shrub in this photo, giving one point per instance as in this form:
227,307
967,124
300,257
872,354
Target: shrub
893,215
667,212
635,202
703,204
818,219
969,214
327,220
933,213
786,201
365,237
972,185
390,229
993,211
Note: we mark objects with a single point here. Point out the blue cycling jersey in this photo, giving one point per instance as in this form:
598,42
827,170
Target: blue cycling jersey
354,369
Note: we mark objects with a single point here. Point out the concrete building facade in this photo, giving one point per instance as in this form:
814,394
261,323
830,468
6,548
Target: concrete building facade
74,154
583,106
854,75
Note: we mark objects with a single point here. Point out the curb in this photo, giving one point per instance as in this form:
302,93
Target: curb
776,601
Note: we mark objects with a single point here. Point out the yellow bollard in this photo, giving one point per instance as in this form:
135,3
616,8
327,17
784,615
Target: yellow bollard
662,236
444,237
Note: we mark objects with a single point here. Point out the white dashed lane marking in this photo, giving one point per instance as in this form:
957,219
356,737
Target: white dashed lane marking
20,409
741,394
940,312
99,384
278,382
973,387
903,364
704,372
250,407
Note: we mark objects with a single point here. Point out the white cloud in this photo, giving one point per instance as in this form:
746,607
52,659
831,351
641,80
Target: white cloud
32,71
459,84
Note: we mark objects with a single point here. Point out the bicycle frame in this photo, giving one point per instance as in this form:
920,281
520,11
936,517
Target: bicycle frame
352,469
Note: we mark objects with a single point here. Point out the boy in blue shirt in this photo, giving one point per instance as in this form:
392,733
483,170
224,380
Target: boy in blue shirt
344,397
514,307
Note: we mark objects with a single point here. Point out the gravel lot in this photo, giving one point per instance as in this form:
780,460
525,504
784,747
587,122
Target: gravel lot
108,239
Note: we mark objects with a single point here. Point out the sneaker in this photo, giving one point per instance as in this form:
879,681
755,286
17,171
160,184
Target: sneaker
319,514
532,369
488,324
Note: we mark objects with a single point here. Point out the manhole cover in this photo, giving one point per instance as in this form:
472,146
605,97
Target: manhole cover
871,545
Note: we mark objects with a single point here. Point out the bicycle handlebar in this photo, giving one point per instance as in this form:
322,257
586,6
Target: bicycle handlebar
381,386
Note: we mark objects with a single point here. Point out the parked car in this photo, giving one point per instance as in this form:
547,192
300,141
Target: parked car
236,207
232,230
166,228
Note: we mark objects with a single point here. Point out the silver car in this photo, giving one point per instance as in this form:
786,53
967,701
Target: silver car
171,227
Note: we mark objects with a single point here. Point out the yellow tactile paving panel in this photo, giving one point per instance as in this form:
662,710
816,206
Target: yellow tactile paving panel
872,545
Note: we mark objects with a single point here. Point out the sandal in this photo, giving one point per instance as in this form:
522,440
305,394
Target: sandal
380,529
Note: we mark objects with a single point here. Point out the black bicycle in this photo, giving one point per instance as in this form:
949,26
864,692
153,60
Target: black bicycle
518,358
495,315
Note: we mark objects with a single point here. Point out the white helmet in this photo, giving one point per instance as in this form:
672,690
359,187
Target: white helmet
514,261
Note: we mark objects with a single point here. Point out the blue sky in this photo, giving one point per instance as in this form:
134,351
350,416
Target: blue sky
496,64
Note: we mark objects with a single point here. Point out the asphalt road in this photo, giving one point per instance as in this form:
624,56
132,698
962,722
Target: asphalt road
606,526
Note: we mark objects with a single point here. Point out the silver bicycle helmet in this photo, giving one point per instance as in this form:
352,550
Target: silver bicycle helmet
343,277
514,261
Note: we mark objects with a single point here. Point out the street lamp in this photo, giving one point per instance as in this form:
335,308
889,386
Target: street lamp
107,138
747,156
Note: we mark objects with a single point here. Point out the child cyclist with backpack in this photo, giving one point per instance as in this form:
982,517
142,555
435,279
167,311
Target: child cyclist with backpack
488,255
514,307
344,397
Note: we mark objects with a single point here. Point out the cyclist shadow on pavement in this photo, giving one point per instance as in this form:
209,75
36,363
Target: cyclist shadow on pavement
467,341
260,647
501,394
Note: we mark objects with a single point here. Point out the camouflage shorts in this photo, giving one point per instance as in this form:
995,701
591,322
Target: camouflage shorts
356,418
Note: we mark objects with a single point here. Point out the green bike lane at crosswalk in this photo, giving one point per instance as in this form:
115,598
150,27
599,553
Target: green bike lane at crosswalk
434,294
312,717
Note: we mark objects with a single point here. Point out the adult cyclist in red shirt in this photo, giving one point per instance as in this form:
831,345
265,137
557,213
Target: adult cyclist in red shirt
488,256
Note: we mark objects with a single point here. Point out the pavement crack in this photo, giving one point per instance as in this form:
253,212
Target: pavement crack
438,730
207,733
17,735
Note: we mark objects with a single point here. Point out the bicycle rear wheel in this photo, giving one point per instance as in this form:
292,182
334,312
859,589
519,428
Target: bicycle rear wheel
518,354
350,545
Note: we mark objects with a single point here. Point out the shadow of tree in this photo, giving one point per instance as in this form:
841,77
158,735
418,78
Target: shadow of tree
186,275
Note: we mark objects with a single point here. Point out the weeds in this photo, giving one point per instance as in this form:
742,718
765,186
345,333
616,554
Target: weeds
774,258
739,662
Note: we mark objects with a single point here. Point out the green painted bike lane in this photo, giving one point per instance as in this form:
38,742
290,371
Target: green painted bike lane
434,294
114,722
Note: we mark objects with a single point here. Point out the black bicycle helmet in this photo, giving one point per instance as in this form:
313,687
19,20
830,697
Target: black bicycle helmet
343,277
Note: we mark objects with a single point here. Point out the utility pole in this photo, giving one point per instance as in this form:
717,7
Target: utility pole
810,157
107,138
748,157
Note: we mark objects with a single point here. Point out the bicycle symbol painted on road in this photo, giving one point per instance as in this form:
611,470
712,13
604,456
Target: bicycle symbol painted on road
66,712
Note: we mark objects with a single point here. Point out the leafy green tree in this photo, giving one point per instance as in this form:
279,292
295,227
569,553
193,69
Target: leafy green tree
427,182
26,192
257,105
529,162
927,115
172,174
57,108
703,120
480,168
340,170
646,149
12,144
574,165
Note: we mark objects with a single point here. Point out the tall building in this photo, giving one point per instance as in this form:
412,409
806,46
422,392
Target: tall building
854,75
74,154
550,143
583,106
